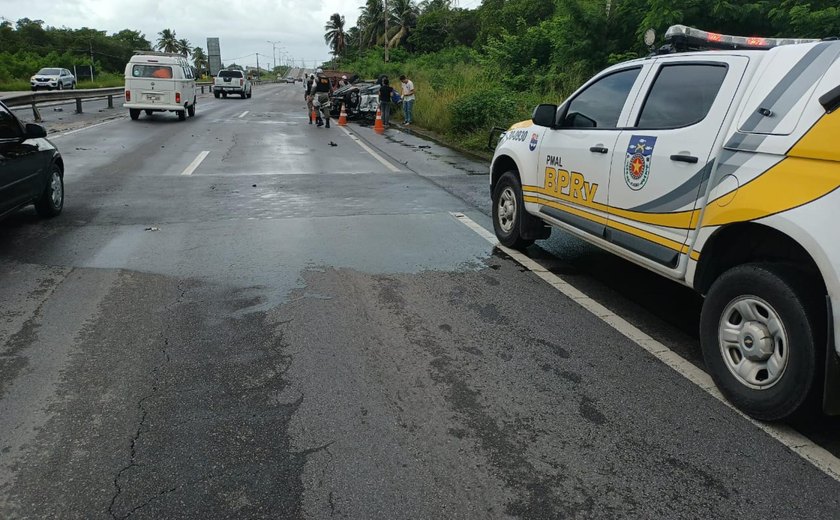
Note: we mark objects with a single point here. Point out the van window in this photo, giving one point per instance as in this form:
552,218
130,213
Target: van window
231,74
151,71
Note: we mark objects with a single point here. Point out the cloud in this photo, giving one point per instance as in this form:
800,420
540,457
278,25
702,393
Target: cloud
243,27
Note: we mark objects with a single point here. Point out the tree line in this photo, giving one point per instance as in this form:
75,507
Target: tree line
549,36
28,45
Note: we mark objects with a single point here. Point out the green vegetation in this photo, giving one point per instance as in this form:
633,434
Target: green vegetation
27,46
476,68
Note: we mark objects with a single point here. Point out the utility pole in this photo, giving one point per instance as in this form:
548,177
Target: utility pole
258,66
386,31
91,60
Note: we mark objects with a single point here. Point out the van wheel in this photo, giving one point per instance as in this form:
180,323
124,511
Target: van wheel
51,201
182,115
224,95
216,94
508,212
149,112
134,113
761,334
191,110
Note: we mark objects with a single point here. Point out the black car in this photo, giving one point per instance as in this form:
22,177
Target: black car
31,169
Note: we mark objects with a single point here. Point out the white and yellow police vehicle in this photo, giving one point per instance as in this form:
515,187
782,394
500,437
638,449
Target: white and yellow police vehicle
716,168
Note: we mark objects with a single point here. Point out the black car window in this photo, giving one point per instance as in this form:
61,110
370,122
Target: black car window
231,74
9,126
600,105
681,95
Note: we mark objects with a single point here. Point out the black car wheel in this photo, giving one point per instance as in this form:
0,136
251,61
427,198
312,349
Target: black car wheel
51,201
191,109
762,335
134,113
508,212
182,115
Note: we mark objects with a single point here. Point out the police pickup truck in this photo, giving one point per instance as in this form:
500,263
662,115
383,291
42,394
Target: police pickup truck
714,162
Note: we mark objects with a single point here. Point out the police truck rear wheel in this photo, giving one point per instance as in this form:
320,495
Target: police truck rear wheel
508,209
760,331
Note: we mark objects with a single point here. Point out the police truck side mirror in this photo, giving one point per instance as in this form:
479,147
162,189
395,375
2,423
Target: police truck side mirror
545,115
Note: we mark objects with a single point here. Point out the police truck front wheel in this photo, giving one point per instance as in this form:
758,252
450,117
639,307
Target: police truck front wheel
761,331
508,212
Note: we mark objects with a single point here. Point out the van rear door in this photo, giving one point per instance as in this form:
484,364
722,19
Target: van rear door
153,83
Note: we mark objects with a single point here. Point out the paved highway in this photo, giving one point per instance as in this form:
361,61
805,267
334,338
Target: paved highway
244,316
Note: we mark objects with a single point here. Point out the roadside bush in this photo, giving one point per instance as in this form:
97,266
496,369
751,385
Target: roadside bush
483,108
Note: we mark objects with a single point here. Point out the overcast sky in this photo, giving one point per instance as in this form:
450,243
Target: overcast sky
243,27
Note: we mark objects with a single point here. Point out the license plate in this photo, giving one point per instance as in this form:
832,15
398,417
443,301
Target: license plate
151,97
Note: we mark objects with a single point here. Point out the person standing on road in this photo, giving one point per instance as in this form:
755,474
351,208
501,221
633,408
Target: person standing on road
307,86
321,90
408,99
385,92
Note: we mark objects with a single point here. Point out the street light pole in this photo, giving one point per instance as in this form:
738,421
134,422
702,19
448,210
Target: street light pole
274,50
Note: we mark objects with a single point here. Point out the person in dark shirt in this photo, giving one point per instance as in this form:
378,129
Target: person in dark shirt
385,101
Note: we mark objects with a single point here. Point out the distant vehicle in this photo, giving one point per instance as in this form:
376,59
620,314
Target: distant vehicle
53,78
290,79
31,169
159,82
232,82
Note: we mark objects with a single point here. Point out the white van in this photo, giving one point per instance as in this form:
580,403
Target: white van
159,82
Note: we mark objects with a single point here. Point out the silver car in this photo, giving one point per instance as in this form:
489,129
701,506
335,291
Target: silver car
50,78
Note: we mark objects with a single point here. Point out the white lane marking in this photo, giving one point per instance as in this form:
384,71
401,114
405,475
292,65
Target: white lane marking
243,114
84,128
196,162
821,458
369,150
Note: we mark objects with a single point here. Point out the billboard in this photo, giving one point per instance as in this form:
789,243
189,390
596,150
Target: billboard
214,56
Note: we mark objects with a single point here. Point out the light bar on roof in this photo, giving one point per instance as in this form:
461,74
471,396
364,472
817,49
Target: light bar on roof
689,37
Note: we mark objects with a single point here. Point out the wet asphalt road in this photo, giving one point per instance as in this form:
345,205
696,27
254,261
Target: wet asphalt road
308,334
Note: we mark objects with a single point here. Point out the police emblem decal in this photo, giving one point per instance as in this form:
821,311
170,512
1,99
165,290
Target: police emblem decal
535,139
637,163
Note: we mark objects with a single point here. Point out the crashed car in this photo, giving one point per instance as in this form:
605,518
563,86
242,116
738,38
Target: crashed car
352,97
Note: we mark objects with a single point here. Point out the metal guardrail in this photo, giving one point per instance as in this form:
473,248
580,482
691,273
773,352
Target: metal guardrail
35,98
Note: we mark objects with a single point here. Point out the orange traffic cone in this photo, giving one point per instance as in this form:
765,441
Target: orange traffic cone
342,118
379,128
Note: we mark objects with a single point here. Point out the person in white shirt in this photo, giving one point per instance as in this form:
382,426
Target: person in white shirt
408,99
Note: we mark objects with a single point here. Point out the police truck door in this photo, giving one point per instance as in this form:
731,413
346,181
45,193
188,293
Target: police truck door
574,162
662,161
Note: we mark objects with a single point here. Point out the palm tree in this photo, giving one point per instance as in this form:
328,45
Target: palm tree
372,23
199,59
335,36
184,47
404,14
167,41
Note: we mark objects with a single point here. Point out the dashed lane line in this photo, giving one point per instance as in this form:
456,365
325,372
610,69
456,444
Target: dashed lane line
370,150
243,114
195,164
821,458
